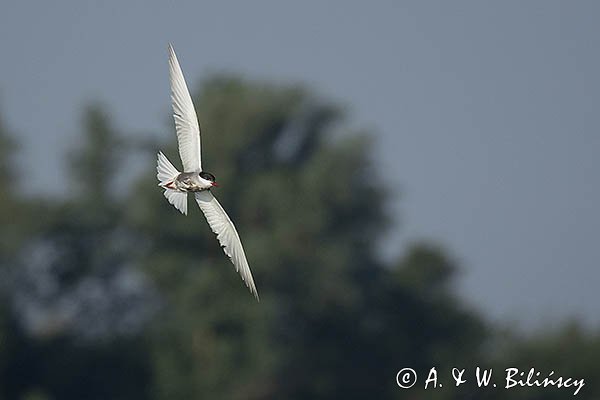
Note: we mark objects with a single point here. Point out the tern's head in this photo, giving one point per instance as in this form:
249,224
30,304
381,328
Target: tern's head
208,177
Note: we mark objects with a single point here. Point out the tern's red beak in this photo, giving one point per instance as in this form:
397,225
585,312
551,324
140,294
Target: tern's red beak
215,184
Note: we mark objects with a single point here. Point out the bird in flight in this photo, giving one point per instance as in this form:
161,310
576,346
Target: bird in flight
193,179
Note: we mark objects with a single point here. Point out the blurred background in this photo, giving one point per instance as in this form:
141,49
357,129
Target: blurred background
415,185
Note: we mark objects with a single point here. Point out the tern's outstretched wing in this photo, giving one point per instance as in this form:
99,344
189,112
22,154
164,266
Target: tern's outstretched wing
186,121
228,237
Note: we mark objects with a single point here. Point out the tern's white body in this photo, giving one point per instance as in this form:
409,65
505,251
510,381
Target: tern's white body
178,184
190,182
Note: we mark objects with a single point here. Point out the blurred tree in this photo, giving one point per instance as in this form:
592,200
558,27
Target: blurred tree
569,351
79,303
332,321
7,147
13,225
93,167
12,213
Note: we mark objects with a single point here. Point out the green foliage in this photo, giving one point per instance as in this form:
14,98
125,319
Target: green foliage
570,351
310,211
61,324
79,321
94,165
12,219
7,147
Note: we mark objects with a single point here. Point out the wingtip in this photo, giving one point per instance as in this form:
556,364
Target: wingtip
255,293
250,285
172,55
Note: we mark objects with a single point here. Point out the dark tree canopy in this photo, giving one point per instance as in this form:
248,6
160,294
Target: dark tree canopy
112,294
310,209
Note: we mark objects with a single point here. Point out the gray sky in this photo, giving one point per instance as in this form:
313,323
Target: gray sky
486,113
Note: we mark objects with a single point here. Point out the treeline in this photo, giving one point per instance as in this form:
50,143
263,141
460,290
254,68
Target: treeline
109,293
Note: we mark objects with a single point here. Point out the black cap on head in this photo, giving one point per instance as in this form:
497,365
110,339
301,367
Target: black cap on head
208,176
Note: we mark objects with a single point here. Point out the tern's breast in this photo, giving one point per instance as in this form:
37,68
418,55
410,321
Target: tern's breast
190,182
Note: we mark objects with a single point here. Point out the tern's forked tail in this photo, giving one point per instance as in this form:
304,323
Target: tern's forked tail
166,174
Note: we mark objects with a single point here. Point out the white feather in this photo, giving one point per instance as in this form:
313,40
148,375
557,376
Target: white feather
166,173
186,121
228,237
178,199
